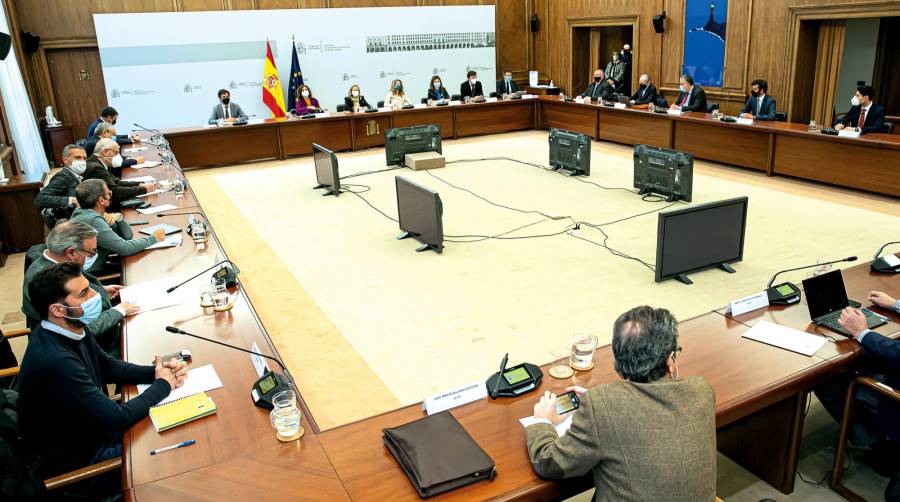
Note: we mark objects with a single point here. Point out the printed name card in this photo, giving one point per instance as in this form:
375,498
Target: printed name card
891,260
743,121
490,100
845,133
620,106
672,111
454,397
529,96
748,304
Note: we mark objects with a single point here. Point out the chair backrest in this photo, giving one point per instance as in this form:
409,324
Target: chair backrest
781,116
33,253
712,106
19,478
381,104
49,217
887,128
340,108
456,97
661,101
425,100
81,142
492,95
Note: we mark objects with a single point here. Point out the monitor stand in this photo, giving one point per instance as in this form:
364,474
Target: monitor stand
683,278
726,267
403,235
330,191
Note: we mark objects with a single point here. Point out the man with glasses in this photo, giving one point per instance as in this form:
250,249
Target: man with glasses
76,242
114,234
650,436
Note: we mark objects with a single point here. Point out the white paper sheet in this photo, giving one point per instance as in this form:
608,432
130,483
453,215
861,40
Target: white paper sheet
786,338
200,379
169,242
135,149
561,427
157,209
151,295
158,190
142,179
149,163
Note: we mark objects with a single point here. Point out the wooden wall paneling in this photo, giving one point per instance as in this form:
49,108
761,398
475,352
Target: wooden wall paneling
514,40
672,45
83,98
541,40
201,5
279,4
580,70
886,79
372,3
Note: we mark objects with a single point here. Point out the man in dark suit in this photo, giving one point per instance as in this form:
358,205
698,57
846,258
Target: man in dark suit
760,106
646,93
865,116
599,88
471,88
110,115
106,156
506,84
226,110
106,130
692,98
59,193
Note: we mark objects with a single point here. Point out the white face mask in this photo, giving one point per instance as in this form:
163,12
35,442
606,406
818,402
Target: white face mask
89,261
437,85
78,166
854,101
682,88
473,80
355,94
117,161
305,94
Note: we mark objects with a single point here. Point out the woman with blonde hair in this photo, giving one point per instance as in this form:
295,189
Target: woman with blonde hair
397,97
355,101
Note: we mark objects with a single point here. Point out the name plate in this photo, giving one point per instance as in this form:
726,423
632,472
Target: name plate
259,363
454,397
384,109
743,121
620,106
454,103
671,111
323,114
529,96
748,304
844,133
490,100
420,105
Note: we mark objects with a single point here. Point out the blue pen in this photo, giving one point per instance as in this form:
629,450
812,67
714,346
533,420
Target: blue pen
172,447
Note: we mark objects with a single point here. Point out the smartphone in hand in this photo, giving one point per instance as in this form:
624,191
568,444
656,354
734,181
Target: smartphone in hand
567,402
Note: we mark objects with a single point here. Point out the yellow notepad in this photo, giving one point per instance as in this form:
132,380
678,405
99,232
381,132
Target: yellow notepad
181,411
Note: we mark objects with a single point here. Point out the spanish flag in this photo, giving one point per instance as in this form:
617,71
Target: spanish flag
272,95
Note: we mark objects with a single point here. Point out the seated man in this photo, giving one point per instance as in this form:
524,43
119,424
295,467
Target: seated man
650,436
76,242
99,165
66,416
114,234
506,85
600,88
105,130
646,93
59,193
109,115
226,110
692,98
471,88
760,106
865,116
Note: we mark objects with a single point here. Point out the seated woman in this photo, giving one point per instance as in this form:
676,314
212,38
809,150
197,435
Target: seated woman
307,103
437,91
397,97
355,101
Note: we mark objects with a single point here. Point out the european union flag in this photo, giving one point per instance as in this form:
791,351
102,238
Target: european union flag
296,79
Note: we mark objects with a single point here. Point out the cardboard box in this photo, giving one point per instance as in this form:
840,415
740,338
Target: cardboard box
424,160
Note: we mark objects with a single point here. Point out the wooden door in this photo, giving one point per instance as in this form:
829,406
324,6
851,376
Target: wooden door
581,63
77,86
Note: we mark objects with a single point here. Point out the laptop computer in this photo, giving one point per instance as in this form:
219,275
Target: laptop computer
826,297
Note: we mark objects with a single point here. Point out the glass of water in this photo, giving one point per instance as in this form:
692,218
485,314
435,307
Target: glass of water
812,126
206,296
286,416
178,185
221,297
583,347
822,267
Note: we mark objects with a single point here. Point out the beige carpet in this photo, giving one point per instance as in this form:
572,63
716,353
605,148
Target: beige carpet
366,324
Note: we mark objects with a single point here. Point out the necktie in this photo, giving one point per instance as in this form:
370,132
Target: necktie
686,96
226,107
862,117
758,103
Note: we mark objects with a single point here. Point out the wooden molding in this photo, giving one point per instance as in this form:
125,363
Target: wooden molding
597,22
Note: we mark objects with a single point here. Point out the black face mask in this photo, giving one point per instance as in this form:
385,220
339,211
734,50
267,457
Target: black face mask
755,94
225,101
596,79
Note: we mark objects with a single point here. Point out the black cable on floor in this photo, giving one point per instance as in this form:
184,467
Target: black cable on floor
365,173
367,188
615,252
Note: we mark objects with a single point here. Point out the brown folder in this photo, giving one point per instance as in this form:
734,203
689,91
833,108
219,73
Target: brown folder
438,454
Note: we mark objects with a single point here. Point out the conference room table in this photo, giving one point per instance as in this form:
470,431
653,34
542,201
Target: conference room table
775,148
761,392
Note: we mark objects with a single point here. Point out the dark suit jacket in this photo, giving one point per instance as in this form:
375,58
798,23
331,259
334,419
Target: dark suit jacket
598,90
58,191
765,112
874,119
697,101
121,189
501,87
466,91
91,143
121,139
646,95
887,352
348,103
438,95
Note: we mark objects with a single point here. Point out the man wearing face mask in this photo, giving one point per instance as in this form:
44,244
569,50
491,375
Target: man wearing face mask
506,85
634,433
114,234
645,94
226,110
105,130
109,115
59,193
471,88
692,98
760,106
865,116
106,158
66,416
76,242
599,89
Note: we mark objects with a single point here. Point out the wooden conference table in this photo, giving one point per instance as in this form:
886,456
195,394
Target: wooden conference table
760,396
776,148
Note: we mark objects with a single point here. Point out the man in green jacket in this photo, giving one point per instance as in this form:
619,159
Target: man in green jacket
650,436
76,242
114,234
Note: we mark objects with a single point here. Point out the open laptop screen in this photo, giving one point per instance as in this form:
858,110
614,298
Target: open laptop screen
825,294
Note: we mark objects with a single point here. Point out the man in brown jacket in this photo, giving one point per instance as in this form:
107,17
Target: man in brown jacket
650,436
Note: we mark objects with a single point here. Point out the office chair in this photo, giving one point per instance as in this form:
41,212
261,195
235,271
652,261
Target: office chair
781,116
340,108
456,97
381,104
492,95
887,128
49,218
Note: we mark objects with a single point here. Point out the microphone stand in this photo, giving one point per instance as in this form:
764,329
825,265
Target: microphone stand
881,265
778,298
236,271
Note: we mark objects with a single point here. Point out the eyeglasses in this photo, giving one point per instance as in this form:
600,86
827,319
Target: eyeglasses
677,352
86,253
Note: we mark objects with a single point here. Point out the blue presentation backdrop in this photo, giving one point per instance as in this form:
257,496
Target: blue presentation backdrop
704,40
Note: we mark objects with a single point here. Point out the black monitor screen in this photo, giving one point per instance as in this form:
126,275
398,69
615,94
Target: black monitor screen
419,210
825,293
701,236
326,168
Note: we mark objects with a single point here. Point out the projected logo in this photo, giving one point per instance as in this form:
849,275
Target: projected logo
301,48
187,88
232,85
115,93
430,41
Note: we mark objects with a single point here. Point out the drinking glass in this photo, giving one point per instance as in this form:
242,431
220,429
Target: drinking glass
221,297
178,185
220,122
822,267
285,416
583,347
812,126
198,232
206,296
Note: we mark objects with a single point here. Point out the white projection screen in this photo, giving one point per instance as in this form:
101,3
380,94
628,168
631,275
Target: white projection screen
163,70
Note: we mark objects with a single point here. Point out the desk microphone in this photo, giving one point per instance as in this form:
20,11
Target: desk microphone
162,143
496,388
881,265
229,273
787,293
161,214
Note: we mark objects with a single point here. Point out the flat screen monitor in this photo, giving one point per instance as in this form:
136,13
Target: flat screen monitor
570,152
664,172
699,237
327,175
416,139
420,213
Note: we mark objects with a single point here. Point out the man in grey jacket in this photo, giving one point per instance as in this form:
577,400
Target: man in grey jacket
226,110
76,242
59,193
114,234
650,436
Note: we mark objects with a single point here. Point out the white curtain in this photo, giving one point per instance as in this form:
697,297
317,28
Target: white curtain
25,134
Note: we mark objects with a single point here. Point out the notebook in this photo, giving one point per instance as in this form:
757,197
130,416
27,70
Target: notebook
181,411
